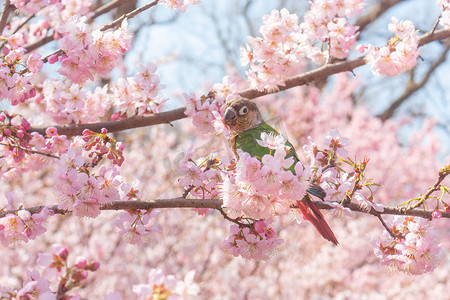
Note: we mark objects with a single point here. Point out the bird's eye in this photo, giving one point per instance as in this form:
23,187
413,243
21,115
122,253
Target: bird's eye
243,110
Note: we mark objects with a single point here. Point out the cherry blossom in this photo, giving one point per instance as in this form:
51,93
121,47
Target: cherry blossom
416,252
167,286
399,55
256,242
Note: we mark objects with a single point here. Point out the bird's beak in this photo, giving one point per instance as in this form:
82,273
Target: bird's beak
230,116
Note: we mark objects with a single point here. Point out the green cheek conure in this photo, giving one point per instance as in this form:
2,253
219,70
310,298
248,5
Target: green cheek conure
244,120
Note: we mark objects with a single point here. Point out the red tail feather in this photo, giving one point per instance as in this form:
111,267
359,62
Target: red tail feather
313,214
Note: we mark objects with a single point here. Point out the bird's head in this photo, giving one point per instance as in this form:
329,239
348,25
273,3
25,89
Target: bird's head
241,114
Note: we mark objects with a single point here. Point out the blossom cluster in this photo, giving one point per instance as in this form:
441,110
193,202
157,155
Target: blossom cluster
201,177
399,55
14,135
22,226
99,144
328,173
415,250
179,4
67,102
137,95
263,189
14,159
37,285
16,84
284,45
136,227
207,111
55,12
162,286
81,192
257,241
445,15
89,53
18,71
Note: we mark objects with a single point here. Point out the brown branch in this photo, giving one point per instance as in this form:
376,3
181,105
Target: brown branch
177,114
106,8
5,14
217,204
30,150
45,40
119,125
413,87
394,235
444,172
129,15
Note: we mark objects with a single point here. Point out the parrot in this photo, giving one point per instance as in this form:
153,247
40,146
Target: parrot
243,119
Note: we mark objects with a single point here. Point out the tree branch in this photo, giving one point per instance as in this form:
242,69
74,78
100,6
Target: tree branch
177,114
129,15
106,8
413,87
119,125
181,202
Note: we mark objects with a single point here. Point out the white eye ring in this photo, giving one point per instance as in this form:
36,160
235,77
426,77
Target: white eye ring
243,110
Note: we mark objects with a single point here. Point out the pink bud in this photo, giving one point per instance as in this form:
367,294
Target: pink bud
115,116
120,146
104,131
63,253
80,262
7,131
2,118
260,226
20,134
436,214
53,59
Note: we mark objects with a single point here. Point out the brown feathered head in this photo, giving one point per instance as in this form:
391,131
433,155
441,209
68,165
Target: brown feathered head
242,114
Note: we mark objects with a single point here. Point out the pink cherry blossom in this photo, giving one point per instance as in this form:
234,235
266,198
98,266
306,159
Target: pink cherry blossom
160,285
416,252
34,62
399,55
271,140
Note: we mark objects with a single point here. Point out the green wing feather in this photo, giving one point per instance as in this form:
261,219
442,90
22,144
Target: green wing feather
247,142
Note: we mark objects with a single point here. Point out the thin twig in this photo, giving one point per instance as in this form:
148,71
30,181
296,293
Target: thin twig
435,187
106,8
30,150
129,15
394,235
413,87
436,23
236,221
